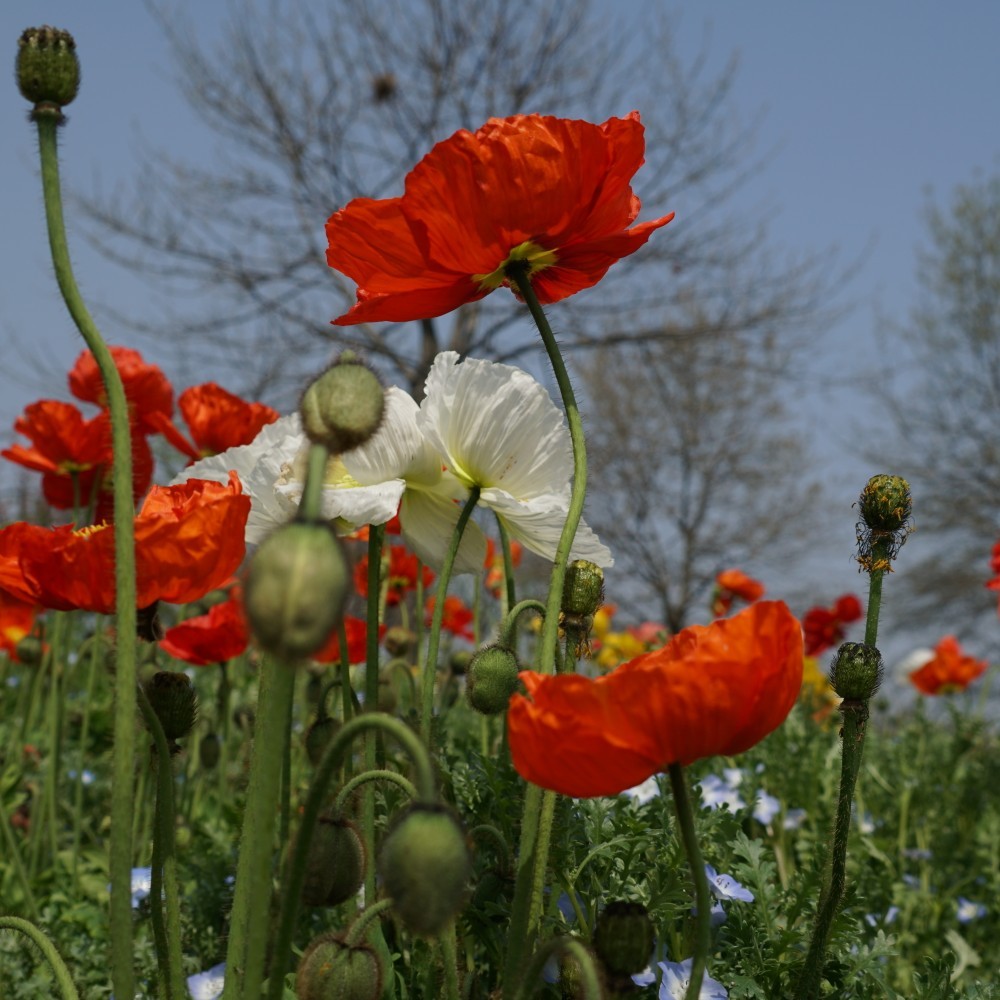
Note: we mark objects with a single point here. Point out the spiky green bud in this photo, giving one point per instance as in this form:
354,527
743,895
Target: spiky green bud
491,679
335,864
209,751
331,969
174,701
857,671
886,509
344,407
623,937
48,70
319,736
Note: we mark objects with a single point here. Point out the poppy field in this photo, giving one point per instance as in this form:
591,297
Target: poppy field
335,703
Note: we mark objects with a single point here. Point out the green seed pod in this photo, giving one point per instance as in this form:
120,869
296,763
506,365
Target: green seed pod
425,865
174,701
886,508
331,969
857,671
335,866
491,679
48,70
209,751
344,407
583,589
319,736
295,589
623,938
29,651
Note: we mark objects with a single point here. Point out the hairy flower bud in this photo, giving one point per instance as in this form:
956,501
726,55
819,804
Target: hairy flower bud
583,589
425,867
857,671
174,701
209,751
331,969
623,937
48,70
344,407
335,865
886,508
491,679
319,736
295,589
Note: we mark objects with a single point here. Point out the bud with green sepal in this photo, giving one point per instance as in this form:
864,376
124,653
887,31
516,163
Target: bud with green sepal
886,509
583,594
623,938
209,751
857,671
173,699
425,865
332,969
335,863
48,70
319,736
491,679
344,406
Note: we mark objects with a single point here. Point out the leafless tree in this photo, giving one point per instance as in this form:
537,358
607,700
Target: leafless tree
698,467
317,103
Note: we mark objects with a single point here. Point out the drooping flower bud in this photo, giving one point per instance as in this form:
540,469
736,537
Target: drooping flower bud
623,937
425,865
209,750
174,701
319,736
48,70
335,865
295,589
491,679
583,594
331,969
344,407
857,671
886,509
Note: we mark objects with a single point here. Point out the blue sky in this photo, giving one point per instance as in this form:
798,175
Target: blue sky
866,107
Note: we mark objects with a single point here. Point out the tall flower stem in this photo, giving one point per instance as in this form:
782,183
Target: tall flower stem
63,979
122,790
703,921
434,640
376,539
536,824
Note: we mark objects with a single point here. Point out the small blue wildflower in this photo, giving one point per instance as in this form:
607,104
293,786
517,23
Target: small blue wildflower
715,793
766,808
646,792
726,887
86,778
911,881
207,985
794,818
890,915
733,776
677,978
969,910
142,883
918,853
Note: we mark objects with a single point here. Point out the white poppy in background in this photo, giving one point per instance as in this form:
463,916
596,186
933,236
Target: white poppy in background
498,429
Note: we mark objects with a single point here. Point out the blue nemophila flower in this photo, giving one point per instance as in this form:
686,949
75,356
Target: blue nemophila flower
910,881
873,920
646,792
918,853
766,808
142,883
793,819
969,910
716,792
726,887
677,978
207,985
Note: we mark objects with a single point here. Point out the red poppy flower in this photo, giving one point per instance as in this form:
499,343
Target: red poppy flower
950,669
357,642
400,572
733,583
456,617
392,527
994,584
824,627
493,564
17,619
150,396
188,541
217,420
715,689
215,637
551,191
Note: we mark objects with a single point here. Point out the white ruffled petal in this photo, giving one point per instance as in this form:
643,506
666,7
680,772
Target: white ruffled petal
353,505
496,427
538,524
428,522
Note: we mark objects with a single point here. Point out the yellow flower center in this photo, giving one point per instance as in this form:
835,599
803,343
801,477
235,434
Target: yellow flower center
538,259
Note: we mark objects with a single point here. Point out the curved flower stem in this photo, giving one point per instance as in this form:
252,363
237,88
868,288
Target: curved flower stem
360,926
430,665
491,833
48,949
379,774
248,927
122,789
295,866
566,945
703,925
508,567
163,885
508,627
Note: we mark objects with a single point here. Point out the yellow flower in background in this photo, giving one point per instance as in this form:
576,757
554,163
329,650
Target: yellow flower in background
617,647
816,689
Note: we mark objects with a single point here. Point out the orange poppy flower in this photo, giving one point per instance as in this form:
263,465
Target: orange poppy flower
994,584
950,669
824,627
493,563
188,541
356,630
715,689
17,619
401,573
456,617
550,191
215,637
733,583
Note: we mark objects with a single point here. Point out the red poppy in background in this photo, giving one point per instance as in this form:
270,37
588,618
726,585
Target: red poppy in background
392,527
218,420
550,191
456,617
149,394
949,670
17,619
493,564
215,637
401,573
733,583
715,689
824,627
356,630
188,541
994,584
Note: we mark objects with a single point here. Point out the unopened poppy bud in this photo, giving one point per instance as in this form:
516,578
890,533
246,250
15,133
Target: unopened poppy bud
491,679
344,407
48,70
335,864
319,736
388,699
29,651
295,589
623,938
857,671
399,641
425,867
886,508
583,589
331,969
209,750
173,699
